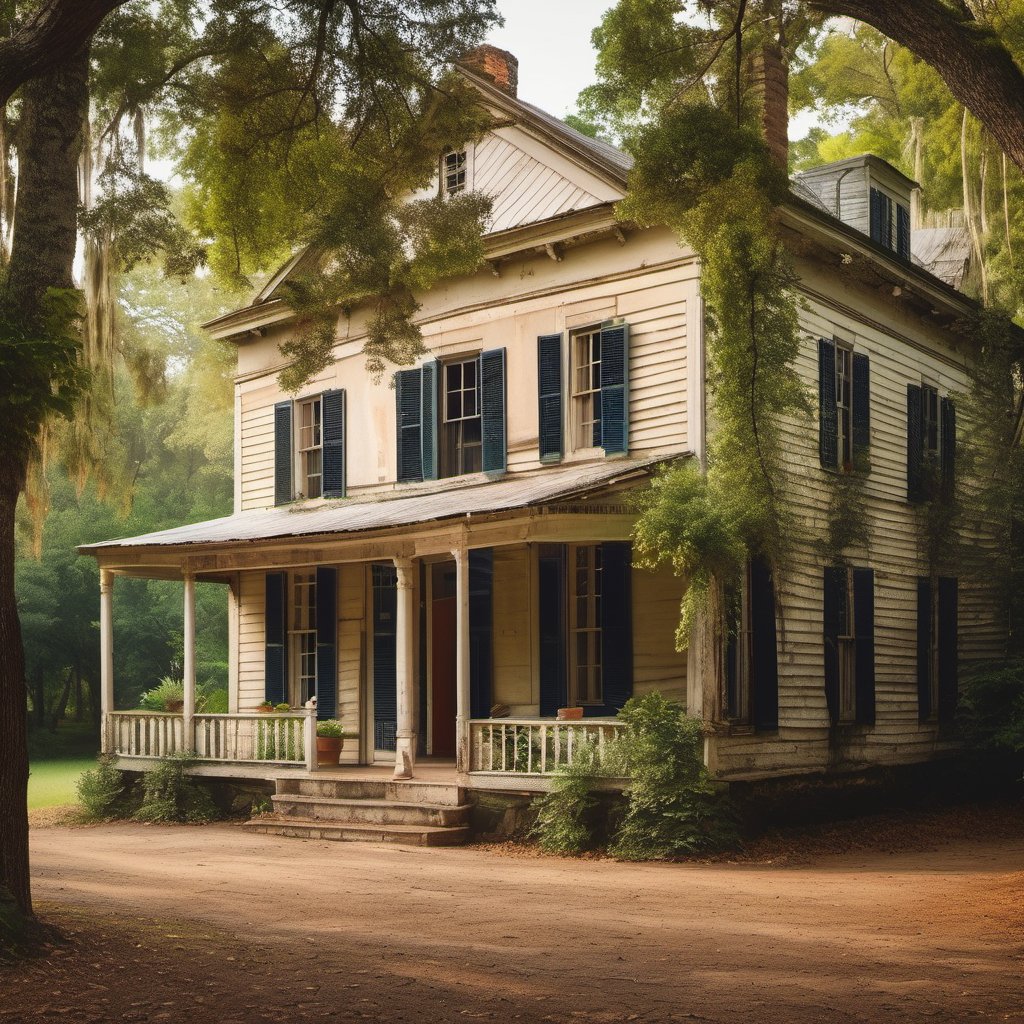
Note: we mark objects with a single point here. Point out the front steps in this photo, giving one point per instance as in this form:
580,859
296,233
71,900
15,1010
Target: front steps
410,812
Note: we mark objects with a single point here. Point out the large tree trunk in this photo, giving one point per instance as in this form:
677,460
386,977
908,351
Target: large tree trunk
42,255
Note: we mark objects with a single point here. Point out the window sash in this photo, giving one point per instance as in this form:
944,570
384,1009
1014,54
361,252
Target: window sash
462,427
844,406
586,378
931,435
453,169
847,642
302,635
584,600
310,447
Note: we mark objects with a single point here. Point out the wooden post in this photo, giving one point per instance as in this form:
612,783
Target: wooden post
310,732
106,657
405,745
462,665
188,668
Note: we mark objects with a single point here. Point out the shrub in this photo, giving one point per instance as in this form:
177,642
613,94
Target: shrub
329,728
565,814
673,806
213,701
991,708
102,791
169,795
168,689
283,706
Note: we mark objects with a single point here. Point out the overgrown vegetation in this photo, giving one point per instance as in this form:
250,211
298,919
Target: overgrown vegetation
103,792
169,795
991,710
167,692
565,814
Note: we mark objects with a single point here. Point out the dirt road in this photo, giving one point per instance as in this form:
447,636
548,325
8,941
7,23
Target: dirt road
220,925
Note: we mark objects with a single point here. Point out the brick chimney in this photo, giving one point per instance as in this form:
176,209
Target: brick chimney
500,66
771,83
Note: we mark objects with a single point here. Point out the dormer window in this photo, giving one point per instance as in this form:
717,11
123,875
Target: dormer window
453,172
890,223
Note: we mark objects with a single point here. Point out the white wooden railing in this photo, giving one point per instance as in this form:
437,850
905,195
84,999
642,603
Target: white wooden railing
535,746
143,733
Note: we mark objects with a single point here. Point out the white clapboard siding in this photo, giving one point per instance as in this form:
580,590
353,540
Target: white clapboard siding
514,625
351,654
657,665
251,640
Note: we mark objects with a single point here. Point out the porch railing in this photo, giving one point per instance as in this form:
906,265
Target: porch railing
536,746
144,733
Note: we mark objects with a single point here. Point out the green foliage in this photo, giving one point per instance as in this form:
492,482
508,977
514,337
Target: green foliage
103,792
329,727
170,796
673,806
167,691
213,701
991,709
275,743
565,818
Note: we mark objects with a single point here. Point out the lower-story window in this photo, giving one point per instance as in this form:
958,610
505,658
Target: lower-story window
751,691
585,682
849,634
302,635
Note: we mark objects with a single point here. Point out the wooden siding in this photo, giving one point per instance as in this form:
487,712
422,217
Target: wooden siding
657,665
515,678
251,640
351,655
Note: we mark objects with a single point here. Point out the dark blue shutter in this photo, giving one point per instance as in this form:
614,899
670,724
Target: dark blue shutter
493,455
616,627
915,445
764,663
834,616
283,474
864,644
332,412
924,648
385,676
615,389
408,419
828,414
948,445
275,679
902,232
422,705
948,647
861,411
881,218
481,631
551,628
429,390
733,622
326,642
549,397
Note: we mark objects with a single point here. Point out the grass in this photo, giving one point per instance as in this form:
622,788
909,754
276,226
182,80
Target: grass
52,783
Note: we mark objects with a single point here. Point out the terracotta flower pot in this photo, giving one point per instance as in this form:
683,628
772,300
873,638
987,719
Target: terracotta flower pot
328,749
265,711
570,714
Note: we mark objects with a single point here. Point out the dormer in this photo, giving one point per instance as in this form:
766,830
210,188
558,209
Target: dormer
869,194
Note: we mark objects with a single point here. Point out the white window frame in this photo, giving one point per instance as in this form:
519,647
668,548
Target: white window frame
456,424
585,375
309,447
591,693
301,619
455,167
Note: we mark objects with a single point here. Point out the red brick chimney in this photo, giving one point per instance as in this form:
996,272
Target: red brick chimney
771,82
500,66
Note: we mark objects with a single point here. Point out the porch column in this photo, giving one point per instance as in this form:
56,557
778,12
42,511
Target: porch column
106,656
188,667
462,666
405,745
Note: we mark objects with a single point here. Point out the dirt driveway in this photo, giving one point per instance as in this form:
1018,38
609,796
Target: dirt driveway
214,924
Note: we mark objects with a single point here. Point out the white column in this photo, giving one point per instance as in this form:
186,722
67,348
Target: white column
405,747
106,656
462,672
188,668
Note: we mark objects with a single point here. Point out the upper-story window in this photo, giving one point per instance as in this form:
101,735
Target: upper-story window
454,167
844,406
931,444
930,435
586,391
461,442
310,447
890,223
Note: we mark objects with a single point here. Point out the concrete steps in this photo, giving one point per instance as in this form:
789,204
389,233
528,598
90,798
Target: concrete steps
367,810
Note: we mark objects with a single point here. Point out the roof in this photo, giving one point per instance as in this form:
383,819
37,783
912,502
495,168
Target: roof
409,505
944,252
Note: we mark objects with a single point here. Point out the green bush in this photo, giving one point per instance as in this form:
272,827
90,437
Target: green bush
991,710
103,792
673,806
565,814
330,727
169,795
168,689
212,701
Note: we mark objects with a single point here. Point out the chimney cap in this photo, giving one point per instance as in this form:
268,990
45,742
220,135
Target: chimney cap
500,66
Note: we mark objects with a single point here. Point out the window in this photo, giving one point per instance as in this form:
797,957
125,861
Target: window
847,653
585,579
310,448
890,223
931,444
751,695
302,635
849,635
738,652
844,405
930,435
844,392
453,172
586,393
937,647
461,443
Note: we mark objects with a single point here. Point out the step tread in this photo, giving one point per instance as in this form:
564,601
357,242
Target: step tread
274,823
358,801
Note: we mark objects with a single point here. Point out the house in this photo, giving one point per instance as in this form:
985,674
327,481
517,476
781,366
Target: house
443,559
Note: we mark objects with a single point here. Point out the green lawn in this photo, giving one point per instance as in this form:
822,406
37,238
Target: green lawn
52,783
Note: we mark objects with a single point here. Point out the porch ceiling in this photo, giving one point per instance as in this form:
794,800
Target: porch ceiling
408,505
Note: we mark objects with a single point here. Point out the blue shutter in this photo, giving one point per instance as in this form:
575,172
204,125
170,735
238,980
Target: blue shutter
283,474
481,631
332,412
733,696
385,663
493,456
428,390
616,627
947,424
764,663
615,389
948,647
915,445
828,413
834,615
549,397
924,648
902,232
408,420
861,411
551,628
864,644
275,680
326,642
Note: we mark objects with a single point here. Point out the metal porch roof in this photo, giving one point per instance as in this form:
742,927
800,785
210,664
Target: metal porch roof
408,505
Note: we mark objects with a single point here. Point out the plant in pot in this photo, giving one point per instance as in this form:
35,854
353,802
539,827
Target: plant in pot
265,707
330,737
282,707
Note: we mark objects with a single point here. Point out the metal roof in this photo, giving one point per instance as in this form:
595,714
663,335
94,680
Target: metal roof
407,505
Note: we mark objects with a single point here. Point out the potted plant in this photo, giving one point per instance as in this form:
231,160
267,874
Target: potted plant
264,707
330,737
282,707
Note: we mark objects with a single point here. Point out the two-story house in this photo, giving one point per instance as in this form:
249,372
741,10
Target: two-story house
443,558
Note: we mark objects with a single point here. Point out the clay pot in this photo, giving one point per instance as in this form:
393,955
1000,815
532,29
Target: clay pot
570,714
328,749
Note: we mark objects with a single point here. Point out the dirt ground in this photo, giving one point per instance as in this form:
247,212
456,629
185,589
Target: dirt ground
212,924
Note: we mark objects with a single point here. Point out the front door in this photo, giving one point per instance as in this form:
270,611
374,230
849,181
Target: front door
442,661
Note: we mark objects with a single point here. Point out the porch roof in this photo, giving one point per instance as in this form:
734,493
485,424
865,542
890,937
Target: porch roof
407,505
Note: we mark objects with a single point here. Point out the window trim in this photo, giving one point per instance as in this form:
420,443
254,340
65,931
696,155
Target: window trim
464,169
595,666
578,397
302,633
303,452
844,413
743,714
457,424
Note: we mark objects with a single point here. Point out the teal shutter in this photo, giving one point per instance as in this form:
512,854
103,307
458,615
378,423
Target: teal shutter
551,628
861,410
549,397
949,648
408,421
493,456
326,642
616,627
481,631
828,414
915,445
902,232
428,390
864,644
833,615
947,426
385,661
764,665
615,389
283,474
275,681
924,648
332,413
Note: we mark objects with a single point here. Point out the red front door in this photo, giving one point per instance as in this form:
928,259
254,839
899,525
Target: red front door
442,677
